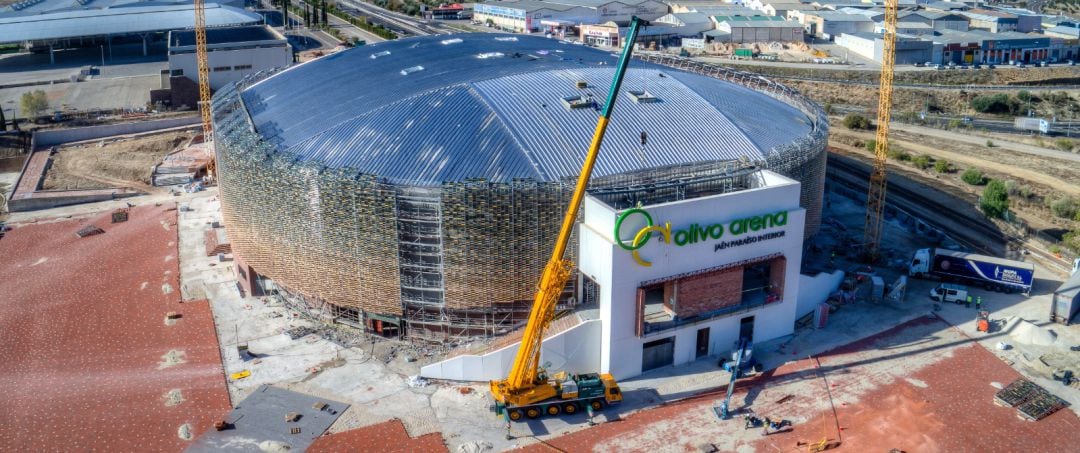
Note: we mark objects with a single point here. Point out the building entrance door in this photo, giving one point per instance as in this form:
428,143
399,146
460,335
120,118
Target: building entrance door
657,354
702,343
746,328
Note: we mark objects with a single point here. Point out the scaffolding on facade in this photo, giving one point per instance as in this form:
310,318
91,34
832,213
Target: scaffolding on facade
454,261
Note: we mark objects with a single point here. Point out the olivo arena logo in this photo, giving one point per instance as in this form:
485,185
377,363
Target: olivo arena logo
698,233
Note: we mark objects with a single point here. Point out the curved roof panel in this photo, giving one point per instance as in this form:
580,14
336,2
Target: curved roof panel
117,21
435,109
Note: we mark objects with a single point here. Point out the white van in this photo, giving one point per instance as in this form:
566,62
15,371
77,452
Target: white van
948,292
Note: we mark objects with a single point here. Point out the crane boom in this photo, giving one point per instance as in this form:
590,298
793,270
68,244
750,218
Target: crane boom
523,385
204,80
875,201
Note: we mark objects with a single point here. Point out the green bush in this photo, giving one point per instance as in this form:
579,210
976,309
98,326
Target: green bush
989,143
1064,144
942,166
856,121
1072,240
996,103
1024,95
1064,207
955,124
973,176
899,154
828,108
871,145
921,162
995,199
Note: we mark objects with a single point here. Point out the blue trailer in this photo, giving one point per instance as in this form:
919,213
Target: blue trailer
995,274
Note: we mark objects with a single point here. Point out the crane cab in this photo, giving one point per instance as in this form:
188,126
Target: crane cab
611,389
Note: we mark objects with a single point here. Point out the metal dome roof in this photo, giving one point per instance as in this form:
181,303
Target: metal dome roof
448,108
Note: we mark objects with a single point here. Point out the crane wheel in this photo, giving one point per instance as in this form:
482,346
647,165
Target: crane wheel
553,410
532,412
515,415
596,405
569,408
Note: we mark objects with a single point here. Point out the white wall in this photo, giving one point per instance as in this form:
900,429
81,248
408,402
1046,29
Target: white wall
813,290
259,59
619,276
575,350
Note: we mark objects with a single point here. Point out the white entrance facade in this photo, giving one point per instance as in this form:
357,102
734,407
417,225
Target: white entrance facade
728,263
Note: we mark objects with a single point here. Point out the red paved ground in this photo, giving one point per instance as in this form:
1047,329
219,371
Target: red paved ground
386,437
84,332
953,412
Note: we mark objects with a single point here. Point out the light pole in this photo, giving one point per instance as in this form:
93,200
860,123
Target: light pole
102,54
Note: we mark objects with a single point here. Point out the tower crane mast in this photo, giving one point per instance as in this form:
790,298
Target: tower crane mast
875,201
204,83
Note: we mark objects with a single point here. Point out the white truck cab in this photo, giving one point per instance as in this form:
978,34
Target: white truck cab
920,263
948,292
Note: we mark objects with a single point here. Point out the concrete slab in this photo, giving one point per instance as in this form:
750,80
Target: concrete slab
272,419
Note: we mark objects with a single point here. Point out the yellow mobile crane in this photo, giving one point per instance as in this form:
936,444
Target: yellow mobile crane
875,201
528,390
204,83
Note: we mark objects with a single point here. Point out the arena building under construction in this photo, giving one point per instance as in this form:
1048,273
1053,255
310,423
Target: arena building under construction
415,187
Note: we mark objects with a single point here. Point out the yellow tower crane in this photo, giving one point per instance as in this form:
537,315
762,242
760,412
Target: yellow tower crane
875,201
204,84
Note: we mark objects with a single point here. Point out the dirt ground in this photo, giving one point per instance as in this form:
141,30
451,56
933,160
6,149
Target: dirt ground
125,162
953,102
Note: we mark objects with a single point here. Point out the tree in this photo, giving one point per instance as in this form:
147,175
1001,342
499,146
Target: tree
325,19
34,103
974,176
942,166
995,199
3,121
856,121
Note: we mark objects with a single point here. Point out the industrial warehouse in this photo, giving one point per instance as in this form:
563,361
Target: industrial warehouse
431,233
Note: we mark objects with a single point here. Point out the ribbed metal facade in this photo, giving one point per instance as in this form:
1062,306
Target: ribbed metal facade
440,210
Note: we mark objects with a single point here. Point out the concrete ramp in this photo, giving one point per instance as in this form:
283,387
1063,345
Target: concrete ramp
575,350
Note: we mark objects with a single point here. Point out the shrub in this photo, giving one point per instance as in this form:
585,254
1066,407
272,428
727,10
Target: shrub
995,199
899,154
1072,240
955,124
1064,207
856,121
871,145
942,166
1024,95
973,176
989,143
995,103
921,162
828,108
1064,144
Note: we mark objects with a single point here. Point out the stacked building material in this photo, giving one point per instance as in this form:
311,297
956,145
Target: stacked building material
1031,401
216,242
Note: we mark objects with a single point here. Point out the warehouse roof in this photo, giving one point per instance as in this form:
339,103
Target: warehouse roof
434,109
226,35
116,21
